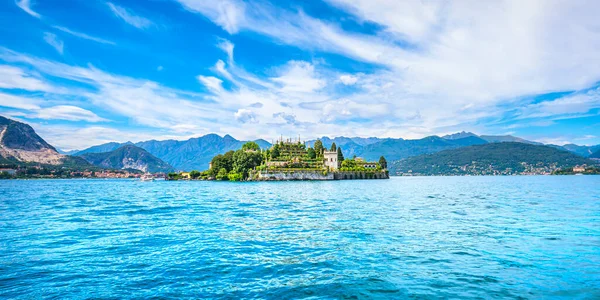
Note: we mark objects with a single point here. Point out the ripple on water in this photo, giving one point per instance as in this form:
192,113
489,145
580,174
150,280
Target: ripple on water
457,237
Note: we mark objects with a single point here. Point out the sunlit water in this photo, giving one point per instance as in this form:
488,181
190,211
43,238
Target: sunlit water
427,237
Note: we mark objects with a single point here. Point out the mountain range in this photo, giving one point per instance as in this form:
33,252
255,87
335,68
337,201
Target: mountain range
19,143
196,153
192,154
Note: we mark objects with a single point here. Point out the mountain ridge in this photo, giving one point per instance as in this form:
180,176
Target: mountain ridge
128,157
20,144
508,158
196,153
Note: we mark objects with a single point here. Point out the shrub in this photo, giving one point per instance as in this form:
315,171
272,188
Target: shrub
222,175
232,176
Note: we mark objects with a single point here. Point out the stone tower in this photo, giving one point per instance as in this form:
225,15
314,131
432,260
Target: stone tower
331,159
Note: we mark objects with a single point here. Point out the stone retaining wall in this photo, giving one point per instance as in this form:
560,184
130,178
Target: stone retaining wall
295,175
316,175
360,175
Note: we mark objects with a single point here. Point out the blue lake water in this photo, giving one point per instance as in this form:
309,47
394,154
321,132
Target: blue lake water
424,237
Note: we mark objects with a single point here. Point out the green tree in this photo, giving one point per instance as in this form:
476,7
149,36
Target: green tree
194,174
318,147
251,146
222,175
333,147
311,153
340,156
245,161
383,162
222,161
349,163
275,151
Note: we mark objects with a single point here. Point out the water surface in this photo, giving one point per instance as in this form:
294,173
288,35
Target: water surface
424,237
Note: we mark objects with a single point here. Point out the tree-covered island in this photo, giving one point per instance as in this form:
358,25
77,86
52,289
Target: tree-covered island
287,160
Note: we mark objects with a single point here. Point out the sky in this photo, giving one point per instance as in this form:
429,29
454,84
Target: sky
84,73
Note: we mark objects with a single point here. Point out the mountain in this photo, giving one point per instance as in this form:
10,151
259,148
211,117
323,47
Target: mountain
102,148
506,138
490,159
585,151
128,157
395,149
595,155
19,144
459,135
192,154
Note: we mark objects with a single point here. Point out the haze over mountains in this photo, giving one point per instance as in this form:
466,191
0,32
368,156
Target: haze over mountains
128,157
196,153
505,158
20,143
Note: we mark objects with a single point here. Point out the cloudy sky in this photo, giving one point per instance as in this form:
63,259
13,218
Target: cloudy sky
87,72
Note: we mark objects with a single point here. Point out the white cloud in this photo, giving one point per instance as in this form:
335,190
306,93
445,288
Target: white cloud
67,112
34,109
129,16
226,13
453,62
220,68
12,101
245,116
212,83
83,35
575,104
54,41
16,78
227,47
26,6
299,76
348,79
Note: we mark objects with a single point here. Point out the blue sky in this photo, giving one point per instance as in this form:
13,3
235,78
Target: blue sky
88,72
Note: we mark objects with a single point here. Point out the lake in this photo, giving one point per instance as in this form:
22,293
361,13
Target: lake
424,237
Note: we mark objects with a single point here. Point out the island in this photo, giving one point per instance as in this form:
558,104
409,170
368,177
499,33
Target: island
287,160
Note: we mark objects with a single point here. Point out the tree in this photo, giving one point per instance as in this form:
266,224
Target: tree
245,161
275,151
383,162
311,153
222,175
349,163
340,156
222,161
251,146
194,174
333,147
318,147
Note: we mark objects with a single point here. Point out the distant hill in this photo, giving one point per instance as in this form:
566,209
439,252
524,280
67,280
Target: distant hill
196,153
459,135
585,151
192,154
506,138
489,138
596,154
490,159
395,149
128,157
102,148
20,144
